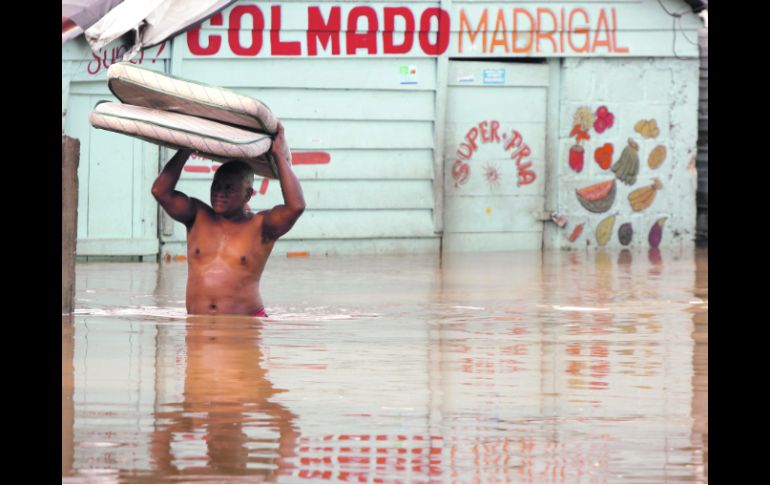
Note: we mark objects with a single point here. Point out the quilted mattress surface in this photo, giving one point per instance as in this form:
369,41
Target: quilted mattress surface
141,87
211,139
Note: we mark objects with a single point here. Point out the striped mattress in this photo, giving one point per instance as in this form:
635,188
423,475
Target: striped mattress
142,87
211,139
217,123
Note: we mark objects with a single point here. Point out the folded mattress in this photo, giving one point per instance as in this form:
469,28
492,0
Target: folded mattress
141,87
211,139
217,123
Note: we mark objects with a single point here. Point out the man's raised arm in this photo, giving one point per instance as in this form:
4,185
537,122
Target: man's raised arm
178,205
282,217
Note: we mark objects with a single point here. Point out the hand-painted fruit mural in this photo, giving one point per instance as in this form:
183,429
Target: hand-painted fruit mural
657,156
656,232
647,128
582,122
604,119
627,167
642,198
604,231
597,198
576,233
600,197
625,234
603,155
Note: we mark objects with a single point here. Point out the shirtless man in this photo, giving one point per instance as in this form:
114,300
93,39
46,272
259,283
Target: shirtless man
228,246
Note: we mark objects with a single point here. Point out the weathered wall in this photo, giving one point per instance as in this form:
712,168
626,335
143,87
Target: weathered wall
117,215
365,109
703,139
361,131
652,103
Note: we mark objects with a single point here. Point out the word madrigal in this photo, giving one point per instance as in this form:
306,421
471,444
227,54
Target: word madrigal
521,31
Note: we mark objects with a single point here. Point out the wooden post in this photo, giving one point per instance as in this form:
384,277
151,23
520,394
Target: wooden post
70,156
67,396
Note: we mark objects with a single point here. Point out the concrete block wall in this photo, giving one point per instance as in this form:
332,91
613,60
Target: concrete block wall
632,90
703,140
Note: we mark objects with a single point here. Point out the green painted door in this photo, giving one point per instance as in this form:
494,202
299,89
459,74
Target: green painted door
495,156
117,215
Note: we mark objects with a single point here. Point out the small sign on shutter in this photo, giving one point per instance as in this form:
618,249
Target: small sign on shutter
408,74
494,76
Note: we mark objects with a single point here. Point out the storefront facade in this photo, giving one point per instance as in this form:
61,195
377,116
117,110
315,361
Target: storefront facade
421,126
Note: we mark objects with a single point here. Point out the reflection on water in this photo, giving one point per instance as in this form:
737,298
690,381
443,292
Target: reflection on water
518,367
226,422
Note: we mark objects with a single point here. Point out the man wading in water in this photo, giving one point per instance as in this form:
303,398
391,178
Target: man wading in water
227,245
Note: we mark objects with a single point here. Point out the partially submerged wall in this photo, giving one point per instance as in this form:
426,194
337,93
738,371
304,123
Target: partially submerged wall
626,153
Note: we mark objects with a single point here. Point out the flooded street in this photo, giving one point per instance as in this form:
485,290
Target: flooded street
528,367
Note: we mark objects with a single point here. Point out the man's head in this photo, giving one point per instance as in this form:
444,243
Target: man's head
232,187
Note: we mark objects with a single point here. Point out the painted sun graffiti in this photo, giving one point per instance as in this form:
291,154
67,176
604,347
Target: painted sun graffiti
492,175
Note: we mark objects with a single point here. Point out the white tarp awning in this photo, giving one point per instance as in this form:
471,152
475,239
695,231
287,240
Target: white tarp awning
78,15
153,21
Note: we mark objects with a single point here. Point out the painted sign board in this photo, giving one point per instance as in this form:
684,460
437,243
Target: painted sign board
416,29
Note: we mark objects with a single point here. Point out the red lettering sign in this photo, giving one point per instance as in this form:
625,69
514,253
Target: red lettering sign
518,30
215,41
442,42
391,13
367,40
233,31
107,57
323,32
278,47
487,132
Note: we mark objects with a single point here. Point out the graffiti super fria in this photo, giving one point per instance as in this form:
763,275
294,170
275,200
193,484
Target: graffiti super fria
487,132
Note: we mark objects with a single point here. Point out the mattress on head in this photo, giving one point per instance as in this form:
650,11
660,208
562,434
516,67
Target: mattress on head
212,140
141,87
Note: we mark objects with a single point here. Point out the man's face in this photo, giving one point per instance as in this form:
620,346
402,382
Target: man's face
229,193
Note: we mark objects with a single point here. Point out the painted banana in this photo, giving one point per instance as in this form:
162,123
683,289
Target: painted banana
604,231
627,166
642,198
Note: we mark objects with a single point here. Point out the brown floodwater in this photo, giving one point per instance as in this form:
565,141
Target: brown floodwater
526,367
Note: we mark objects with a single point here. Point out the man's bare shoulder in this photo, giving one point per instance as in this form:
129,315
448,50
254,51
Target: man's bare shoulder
258,218
202,210
202,206
199,202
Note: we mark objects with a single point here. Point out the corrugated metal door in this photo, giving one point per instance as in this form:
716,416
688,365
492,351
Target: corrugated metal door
361,133
495,156
116,214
